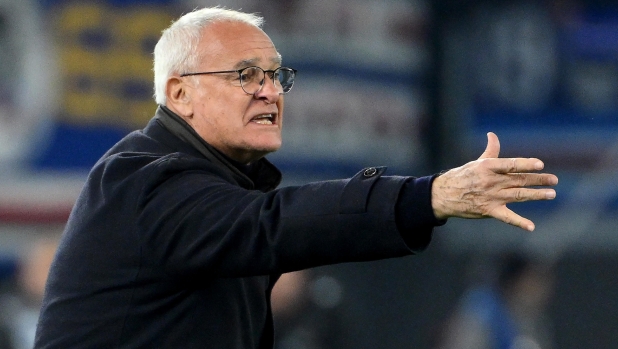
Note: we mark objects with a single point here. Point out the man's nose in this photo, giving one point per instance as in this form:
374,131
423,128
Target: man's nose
269,90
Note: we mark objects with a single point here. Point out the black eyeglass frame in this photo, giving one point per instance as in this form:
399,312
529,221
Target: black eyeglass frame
239,71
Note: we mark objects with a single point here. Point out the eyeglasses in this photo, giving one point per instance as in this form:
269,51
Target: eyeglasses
252,78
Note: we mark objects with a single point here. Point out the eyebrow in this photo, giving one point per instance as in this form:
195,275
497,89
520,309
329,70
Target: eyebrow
254,61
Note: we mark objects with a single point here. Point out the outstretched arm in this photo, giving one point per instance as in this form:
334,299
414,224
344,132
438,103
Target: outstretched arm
482,188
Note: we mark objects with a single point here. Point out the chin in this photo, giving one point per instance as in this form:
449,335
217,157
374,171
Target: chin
268,149
267,146
255,151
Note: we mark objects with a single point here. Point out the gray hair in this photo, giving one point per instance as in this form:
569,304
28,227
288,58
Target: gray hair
176,51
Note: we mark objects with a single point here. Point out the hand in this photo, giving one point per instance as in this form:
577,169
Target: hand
482,188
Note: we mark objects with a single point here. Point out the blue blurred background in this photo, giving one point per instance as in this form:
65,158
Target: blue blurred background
411,84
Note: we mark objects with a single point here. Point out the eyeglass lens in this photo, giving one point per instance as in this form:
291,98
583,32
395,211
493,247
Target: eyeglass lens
252,79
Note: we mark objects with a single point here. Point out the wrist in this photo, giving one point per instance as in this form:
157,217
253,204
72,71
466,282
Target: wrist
437,203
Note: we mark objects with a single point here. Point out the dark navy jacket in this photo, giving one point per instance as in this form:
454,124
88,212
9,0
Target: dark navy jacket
171,245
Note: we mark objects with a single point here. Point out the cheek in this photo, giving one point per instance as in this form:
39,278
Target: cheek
224,110
210,111
280,104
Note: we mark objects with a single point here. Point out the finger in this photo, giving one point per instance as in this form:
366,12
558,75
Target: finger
515,165
531,179
527,194
506,215
492,150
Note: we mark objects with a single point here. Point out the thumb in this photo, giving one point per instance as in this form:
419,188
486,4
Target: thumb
493,147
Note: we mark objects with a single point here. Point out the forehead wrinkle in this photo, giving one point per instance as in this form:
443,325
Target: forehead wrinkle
254,62
246,63
220,45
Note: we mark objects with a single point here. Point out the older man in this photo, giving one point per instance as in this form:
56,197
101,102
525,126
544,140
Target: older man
179,234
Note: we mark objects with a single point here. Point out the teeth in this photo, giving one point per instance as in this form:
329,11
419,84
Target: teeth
263,119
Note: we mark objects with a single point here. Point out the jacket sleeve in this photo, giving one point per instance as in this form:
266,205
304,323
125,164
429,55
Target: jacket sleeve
415,217
198,223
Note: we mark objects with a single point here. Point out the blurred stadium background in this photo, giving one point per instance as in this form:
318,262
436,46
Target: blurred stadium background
410,84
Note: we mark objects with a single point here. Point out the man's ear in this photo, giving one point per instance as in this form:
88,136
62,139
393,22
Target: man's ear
178,97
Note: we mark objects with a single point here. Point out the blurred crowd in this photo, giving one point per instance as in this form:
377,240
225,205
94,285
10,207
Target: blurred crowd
504,307
21,292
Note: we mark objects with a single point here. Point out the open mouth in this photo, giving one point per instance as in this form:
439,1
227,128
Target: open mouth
264,119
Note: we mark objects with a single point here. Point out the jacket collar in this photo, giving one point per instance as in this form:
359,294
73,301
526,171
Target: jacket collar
262,175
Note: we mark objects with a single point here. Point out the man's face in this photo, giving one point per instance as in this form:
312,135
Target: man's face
222,113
